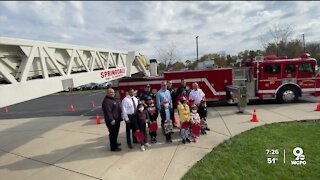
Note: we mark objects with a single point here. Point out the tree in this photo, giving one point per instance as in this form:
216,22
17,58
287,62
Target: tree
249,54
294,48
188,64
231,59
277,37
271,49
162,68
314,50
178,66
220,61
244,54
167,55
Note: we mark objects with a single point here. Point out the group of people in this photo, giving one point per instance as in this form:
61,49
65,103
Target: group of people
141,113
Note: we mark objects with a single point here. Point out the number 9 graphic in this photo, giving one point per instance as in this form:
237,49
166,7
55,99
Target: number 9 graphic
298,152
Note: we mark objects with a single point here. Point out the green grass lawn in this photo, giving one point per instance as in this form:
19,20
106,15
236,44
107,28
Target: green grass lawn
244,156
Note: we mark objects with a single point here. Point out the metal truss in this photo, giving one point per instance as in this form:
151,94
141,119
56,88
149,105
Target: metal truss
31,69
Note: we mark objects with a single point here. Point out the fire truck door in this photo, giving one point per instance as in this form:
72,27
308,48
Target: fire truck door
306,76
270,76
289,73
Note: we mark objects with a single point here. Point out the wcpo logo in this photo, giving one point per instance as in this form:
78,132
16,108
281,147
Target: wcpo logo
300,158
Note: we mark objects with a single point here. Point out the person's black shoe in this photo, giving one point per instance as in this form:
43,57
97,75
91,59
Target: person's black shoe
118,144
183,141
188,140
203,132
208,129
116,150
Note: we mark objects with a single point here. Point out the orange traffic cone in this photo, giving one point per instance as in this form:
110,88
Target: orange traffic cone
254,116
98,119
318,107
93,105
71,108
175,122
5,110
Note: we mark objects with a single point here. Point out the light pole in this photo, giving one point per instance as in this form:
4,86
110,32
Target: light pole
197,48
304,44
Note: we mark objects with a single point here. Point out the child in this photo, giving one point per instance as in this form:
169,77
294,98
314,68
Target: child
184,115
191,102
195,123
166,120
203,116
183,94
153,115
141,119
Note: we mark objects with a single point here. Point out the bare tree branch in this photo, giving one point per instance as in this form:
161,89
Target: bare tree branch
278,35
168,55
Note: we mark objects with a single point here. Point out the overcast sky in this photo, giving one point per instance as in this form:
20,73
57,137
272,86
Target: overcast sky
147,26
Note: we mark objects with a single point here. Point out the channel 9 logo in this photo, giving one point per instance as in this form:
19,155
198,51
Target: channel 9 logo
300,158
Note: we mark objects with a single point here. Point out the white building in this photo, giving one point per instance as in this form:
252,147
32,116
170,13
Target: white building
207,64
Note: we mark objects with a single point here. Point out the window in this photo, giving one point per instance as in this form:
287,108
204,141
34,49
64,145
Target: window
289,68
272,69
306,67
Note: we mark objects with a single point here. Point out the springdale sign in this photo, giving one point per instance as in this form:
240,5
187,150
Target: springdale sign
113,73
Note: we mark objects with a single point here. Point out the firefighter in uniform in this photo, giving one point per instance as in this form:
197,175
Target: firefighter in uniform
183,87
143,96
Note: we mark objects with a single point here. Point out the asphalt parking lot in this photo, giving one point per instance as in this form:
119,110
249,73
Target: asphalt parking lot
58,105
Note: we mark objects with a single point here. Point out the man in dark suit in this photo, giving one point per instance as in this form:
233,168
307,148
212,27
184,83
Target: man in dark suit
112,116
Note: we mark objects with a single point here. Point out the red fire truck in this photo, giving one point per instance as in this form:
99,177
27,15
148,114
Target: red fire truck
263,77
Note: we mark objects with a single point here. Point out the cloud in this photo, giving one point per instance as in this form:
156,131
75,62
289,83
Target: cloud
3,18
171,32
79,19
66,36
11,6
78,16
138,40
145,26
219,34
76,5
39,13
124,31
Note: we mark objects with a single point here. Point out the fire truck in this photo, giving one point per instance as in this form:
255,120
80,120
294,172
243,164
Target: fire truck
262,77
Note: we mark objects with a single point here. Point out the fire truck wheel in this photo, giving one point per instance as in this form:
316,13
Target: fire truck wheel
287,94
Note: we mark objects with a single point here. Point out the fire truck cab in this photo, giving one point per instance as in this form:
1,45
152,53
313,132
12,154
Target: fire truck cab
280,78
263,77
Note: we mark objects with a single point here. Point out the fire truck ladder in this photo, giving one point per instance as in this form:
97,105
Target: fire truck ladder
31,69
